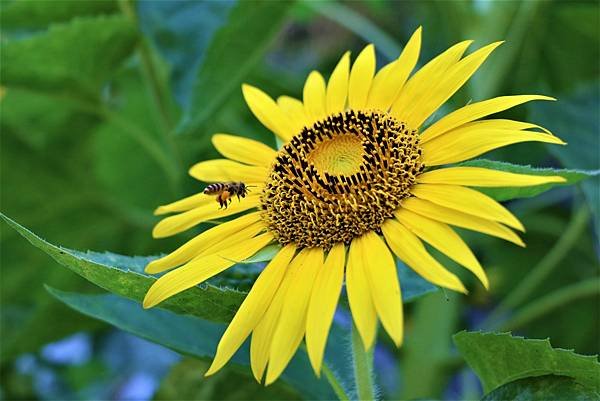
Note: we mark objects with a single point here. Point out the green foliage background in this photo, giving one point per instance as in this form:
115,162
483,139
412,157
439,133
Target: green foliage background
105,104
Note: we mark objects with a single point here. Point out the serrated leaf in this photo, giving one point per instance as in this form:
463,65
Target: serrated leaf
499,358
543,388
72,59
508,193
186,334
235,49
124,275
38,14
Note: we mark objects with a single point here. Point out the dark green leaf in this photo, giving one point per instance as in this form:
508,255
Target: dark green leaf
184,383
499,358
503,194
412,285
577,122
543,388
72,59
186,334
124,275
234,51
38,14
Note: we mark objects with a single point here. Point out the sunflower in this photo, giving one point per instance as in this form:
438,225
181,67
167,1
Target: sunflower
356,181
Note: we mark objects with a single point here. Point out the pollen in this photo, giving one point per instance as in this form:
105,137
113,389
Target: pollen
340,178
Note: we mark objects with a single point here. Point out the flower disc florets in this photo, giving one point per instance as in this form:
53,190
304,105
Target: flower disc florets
340,178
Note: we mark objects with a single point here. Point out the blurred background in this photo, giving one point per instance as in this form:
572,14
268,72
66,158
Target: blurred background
105,104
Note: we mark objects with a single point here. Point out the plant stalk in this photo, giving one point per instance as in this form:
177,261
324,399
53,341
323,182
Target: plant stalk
363,368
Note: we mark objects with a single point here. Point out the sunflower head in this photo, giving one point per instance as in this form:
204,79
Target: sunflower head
340,178
357,181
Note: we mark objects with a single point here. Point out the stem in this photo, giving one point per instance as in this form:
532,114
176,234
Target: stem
157,89
335,384
551,301
548,263
363,367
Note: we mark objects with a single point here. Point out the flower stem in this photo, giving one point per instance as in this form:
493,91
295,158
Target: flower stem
363,368
551,301
545,266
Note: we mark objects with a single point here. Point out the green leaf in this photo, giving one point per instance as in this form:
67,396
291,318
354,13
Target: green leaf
38,14
235,49
124,275
412,285
577,121
186,334
183,383
72,59
499,358
543,388
503,194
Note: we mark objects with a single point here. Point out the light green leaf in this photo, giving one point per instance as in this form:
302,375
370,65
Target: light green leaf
499,358
235,49
186,334
38,14
124,275
503,194
72,59
543,388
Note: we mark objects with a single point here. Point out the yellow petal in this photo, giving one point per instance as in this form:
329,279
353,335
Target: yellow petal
359,295
267,112
323,301
452,80
382,277
337,87
210,239
292,322
361,77
484,177
253,308
223,170
389,81
314,97
501,123
468,201
475,111
421,84
294,109
185,204
201,269
244,150
459,219
469,141
411,251
262,336
181,222
442,237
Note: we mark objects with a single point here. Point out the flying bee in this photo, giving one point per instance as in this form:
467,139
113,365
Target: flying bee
226,190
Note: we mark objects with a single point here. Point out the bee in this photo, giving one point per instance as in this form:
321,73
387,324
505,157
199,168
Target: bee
226,190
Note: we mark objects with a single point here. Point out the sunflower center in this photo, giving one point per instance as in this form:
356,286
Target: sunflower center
340,155
340,178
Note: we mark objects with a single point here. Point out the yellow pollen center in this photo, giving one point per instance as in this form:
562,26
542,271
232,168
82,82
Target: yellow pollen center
340,155
339,178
